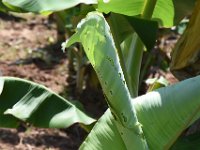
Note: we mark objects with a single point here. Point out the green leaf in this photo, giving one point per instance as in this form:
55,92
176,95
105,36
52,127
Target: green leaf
2,7
126,44
164,11
120,26
164,114
36,104
146,30
124,26
46,5
128,7
95,35
167,112
104,135
5,8
123,29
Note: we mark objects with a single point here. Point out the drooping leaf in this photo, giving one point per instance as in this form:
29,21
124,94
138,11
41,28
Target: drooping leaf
36,104
95,35
46,5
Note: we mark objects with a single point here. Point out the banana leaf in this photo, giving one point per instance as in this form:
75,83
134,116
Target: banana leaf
43,6
123,26
5,9
164,114
167,12
30,102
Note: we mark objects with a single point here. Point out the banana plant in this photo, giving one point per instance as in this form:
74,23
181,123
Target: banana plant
29,101
151,121
167,16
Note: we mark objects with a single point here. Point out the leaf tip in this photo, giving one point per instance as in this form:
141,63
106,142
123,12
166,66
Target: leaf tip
8,111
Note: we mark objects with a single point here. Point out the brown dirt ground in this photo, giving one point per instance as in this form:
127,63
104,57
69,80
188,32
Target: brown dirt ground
23,51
